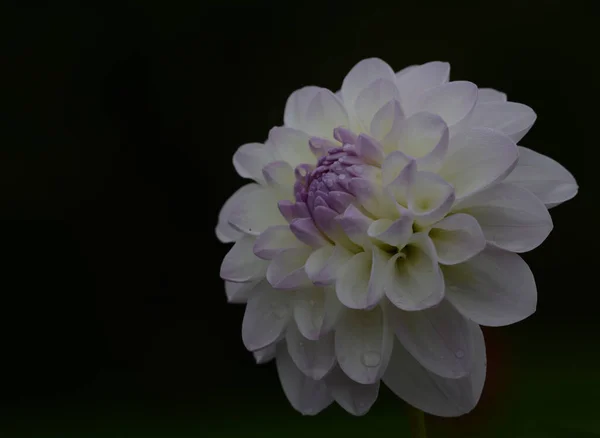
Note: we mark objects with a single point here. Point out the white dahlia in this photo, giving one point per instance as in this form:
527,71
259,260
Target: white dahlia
381,229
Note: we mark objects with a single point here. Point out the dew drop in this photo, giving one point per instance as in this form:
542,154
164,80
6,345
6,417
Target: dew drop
371,359
459,354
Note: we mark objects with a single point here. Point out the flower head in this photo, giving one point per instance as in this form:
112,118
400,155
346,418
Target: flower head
381,230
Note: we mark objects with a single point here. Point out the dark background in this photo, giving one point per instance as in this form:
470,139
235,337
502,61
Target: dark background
118,127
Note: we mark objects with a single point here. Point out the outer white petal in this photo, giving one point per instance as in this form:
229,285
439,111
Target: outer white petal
415,282
494,288
431,393
296,107
394,233
291,145
511,218
371,99
286,270
430,198
406,70
315,358
421,134
240,265
486,95
354,397
453,102
256,211
393,164
477,159
225,232
361,76
274,240
384,125
457,238
510,118
544,177
266,354
439,338
325,112
250,159
416,81
363,343
316,310
307,396
322,265
352,284
239,292
266,317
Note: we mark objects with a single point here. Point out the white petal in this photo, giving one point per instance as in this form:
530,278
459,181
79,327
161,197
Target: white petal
511,218
316,309
406,70
325,112
256,211
286,270
266,354
430,198
266,316
371,99
485,95
384,125
274,240
291,145
352,285
314,358
393,164
414,82
415,282
457,238
323,264
478,158
544,177
280,176
424,136
494,288
453,102
225,232
439,338
355,224
394,233
240,264
296,107
431,393
511,118
354,397
376,288
361,76
239,292
306,395
363,343
250,159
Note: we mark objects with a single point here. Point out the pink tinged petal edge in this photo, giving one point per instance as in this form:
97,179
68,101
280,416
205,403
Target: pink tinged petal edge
274,240
510,217
306,395
494,288
510,118
250,159
454,102
431,393
240,265
305,230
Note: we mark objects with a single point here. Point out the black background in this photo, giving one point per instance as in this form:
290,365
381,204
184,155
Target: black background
118,127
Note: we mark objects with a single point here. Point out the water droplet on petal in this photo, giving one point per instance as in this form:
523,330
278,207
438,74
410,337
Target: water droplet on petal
371,359
459,354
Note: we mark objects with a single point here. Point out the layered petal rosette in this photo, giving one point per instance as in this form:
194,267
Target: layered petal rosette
381,229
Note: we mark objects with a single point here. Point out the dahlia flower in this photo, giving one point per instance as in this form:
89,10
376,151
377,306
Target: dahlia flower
381,229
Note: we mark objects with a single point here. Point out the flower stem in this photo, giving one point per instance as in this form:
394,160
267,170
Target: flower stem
416,419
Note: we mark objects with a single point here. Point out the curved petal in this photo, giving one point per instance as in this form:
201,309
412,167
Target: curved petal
416,81
511,218
413,279
315,358
322,265
486,95
544,177
316,310
240,265
266,317
372,98
280,176
423,136
363,74
238,293
384,125
286,270
477,159
510,118
291,145
430,198
354,397
274,240
457,238
305,230
406,70
266,354
307,396
394,233
355,224
494,288
431,393
352,285
393,165
250,159
439,338
369,150
296,107
256,211
363,344
225,232
325,112
453,101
